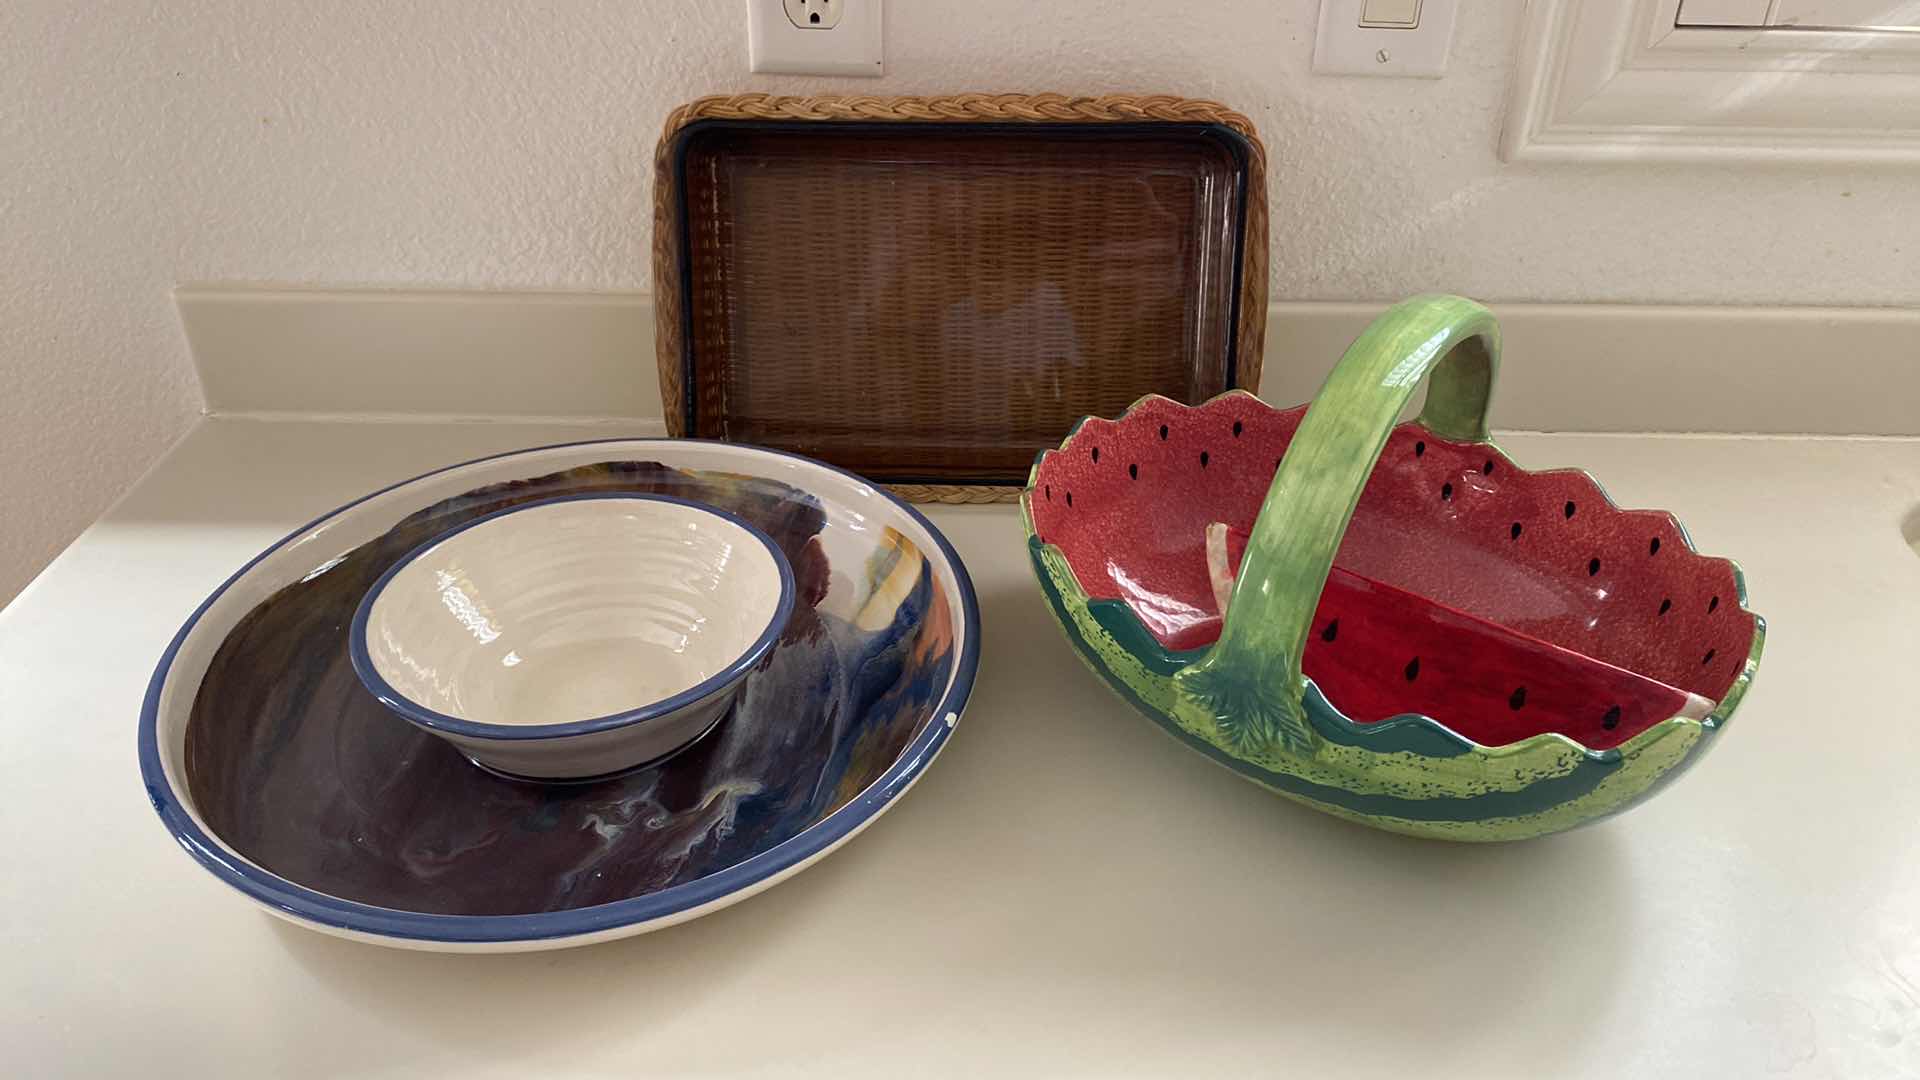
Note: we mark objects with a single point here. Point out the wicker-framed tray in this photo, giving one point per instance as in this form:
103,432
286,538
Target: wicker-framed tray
929,290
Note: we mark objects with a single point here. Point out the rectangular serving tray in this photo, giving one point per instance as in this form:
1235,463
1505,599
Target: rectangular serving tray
929,291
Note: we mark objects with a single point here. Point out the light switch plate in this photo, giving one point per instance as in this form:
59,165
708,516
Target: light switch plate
1343,47
848,45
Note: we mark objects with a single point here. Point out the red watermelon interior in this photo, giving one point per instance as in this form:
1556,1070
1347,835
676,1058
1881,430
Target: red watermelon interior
1499,602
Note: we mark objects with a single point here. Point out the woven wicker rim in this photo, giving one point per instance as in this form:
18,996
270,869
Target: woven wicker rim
669,339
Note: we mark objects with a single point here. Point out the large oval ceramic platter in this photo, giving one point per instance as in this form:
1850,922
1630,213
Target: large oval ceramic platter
273,766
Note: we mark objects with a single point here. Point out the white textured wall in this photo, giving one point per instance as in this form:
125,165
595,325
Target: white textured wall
506,142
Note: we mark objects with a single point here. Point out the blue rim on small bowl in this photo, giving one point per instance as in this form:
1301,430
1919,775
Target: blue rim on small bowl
671,904
434,720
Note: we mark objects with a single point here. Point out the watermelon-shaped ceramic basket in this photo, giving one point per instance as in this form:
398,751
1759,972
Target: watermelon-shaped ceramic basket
1418,634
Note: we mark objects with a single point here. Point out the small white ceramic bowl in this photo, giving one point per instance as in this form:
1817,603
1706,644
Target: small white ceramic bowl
577,637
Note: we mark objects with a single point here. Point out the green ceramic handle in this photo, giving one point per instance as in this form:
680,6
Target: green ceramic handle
1250,680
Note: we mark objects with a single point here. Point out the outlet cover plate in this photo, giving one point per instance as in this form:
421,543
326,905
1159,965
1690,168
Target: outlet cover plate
851,47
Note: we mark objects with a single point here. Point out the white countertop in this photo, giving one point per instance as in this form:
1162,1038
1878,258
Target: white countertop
1067,892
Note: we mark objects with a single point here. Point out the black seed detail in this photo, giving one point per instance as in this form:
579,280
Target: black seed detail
1236,429
1713,605
1487,469
1413,669
1666,605
1420,449
1518,699
1163,433
1708,659
1332,631
1069,498
1569,508
1096,453
1049,492
1446,492
1612,719
1514,532
1653,546
1133,472
1203,459
1593,567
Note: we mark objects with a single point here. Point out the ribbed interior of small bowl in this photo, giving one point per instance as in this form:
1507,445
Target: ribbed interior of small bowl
1545,555
572,610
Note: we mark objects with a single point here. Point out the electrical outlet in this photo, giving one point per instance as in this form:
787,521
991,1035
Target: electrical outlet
814,37
813,14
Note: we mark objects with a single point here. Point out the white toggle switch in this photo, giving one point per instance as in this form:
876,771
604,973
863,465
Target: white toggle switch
1390,14
1384,37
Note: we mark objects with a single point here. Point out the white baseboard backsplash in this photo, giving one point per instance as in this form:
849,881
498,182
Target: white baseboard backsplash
588,358
414,353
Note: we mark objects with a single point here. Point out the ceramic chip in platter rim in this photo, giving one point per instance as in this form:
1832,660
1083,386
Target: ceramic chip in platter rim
428,717
161,775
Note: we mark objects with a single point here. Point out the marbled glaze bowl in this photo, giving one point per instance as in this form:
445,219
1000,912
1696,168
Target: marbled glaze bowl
272,766
576,637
